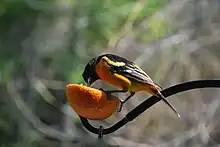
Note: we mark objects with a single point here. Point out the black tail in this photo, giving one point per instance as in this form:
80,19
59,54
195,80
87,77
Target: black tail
168,103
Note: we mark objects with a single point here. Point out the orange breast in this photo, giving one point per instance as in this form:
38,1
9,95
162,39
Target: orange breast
113,79
91,103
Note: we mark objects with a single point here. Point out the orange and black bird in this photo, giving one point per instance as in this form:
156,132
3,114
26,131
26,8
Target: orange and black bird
123,74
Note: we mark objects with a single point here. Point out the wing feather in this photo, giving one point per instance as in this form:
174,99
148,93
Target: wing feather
130,70
135,73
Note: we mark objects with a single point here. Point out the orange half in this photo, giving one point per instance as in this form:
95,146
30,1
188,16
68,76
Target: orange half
91,103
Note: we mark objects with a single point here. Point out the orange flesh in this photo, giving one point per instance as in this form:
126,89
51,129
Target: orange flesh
90,102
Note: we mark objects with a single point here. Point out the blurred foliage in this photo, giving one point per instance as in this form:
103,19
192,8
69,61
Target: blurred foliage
95,23
45,44
8,127
92,25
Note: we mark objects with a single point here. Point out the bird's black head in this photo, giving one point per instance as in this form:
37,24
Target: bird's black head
89,74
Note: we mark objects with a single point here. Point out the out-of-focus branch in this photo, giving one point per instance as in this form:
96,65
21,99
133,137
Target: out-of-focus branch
169,12
127,143
53,84
129,24
33,119
41,88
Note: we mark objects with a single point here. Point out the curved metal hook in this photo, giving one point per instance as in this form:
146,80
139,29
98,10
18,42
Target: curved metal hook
151,101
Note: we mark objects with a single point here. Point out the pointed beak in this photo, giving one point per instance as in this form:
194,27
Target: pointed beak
89,82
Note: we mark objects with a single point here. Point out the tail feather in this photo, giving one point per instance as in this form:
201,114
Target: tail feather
155,90
157,86
168,103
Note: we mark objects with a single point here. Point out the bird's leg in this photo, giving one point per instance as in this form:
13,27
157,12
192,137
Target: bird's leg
122,102
100,133
131,94
109,92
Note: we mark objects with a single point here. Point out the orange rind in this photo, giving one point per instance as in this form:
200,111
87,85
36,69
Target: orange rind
91,103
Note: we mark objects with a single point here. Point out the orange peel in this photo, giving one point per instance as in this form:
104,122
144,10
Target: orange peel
91,103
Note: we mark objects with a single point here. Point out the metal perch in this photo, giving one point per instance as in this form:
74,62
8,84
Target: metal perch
150,102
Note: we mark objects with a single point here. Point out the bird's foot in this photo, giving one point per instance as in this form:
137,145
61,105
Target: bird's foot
120,106
122,102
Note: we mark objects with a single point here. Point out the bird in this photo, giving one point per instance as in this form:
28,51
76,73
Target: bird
122,74
91,103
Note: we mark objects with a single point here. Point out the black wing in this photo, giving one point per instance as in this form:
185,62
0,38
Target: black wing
130,70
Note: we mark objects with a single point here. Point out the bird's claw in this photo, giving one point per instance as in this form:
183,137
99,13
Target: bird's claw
120,106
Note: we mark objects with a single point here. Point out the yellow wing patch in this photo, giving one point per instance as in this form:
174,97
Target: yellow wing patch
110,62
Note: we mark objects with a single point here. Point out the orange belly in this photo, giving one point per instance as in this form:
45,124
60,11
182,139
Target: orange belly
113,79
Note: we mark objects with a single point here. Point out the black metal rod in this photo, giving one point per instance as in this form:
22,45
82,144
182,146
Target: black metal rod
150,102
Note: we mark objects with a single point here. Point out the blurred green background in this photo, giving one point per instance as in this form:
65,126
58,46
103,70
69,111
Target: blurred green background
45,44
